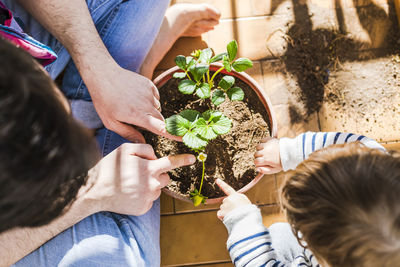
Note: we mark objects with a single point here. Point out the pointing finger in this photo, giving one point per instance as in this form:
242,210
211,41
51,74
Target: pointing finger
166,164
228,190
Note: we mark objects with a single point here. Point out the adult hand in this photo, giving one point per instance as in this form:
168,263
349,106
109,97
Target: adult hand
233,201
267,157
130,178
123,98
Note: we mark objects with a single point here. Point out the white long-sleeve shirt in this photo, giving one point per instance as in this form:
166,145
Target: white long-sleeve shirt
250,243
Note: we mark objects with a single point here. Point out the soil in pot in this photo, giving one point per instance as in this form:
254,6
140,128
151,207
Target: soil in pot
230,156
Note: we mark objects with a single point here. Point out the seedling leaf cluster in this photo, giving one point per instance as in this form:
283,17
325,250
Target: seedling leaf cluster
195,128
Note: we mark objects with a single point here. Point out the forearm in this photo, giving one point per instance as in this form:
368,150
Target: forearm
294,150
71,23
19,242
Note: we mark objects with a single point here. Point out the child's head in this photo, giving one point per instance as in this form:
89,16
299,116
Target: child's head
44,153
345,202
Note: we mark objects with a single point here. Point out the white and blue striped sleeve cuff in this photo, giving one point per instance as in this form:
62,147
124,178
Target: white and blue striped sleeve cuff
249,241
294,150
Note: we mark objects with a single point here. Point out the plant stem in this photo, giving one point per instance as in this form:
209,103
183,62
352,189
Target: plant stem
215,74
202,178
208,76
187,74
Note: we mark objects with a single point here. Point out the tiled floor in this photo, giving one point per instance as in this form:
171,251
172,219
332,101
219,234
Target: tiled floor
366,90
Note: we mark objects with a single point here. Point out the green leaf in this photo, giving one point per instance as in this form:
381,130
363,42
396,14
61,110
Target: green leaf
193,141
205,56
227,64
198,71
221,125
190,114
211,114
181,62
190,62
203,91
218,97
179,75
204,129
218,57
232,50
186,87
226,82
177,125
235,93
242,64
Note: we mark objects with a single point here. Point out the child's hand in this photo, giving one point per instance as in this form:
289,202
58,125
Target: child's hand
267,157
233,201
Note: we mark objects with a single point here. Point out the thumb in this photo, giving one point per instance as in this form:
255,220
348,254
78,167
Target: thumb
129,132
166,164
157,126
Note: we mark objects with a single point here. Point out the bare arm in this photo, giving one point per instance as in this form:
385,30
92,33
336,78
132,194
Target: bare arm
83,43
122,98
126,181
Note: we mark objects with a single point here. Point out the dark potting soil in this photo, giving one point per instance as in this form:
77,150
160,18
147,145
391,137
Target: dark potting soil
230,156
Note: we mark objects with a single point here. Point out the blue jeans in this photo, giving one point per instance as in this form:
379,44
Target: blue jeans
128,28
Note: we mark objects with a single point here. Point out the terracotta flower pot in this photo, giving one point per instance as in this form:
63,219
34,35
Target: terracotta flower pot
167,75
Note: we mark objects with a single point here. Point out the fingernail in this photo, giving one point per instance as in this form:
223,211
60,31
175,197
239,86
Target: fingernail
192,159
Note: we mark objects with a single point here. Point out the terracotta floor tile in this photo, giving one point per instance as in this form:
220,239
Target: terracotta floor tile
271,215
347,3
288,129
280,179
365,30
253,35
193,238
262,36
264,192
236,8
283,91
183,46
200,237
366,99
167,204
256,73
277,83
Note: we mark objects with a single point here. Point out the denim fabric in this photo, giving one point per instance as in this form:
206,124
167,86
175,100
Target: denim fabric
128,29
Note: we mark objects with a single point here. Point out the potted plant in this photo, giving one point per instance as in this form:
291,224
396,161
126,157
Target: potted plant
221,114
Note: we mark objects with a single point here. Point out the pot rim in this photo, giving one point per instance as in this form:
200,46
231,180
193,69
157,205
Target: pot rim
167,75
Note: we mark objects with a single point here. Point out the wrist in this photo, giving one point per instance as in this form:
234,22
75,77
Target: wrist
84,204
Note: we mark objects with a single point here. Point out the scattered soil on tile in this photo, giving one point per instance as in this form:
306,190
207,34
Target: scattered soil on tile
368,91
313,55
230,156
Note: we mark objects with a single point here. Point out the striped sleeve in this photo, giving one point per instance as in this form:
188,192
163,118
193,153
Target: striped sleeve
249,242
294,150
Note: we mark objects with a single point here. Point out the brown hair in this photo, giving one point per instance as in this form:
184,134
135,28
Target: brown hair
344,202
44,153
